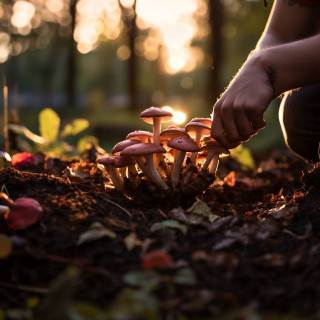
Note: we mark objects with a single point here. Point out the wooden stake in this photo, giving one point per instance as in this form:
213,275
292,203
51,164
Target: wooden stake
5,115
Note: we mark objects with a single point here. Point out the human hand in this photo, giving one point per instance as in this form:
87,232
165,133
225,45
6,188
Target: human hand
238,114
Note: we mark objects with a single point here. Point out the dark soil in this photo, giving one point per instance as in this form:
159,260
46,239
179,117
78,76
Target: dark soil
263,251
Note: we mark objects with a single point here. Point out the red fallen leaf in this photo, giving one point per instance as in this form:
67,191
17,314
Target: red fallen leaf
23,213
156,259
230,179
22,159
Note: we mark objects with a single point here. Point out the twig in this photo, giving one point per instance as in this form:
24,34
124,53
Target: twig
5,115
24,288
117,205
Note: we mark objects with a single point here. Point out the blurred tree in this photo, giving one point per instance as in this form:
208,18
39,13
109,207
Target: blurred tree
216,45
71,62
129,17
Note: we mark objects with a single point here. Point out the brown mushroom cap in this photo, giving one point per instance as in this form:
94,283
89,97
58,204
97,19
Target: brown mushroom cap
141,149
212,142
124,144
193,127
153,112
139,135
184,144
173,132
123,161
205,121
223,152
107,160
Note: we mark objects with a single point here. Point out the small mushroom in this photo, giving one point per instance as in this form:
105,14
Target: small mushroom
147,150
124,144
117,149
183,145
156,116
215,151
124,162
108,162
205,121
197,130
143,136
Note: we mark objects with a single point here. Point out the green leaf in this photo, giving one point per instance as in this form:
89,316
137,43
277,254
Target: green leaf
27,133
85,311
75,127
49,123
5,246
173,224
19,314
148,280
201,208
185,276
86,142
134,304
96,231
243,156
2,315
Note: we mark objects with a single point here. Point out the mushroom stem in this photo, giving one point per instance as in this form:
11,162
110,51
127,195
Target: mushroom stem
123,172
3,209
208,160
156,130
115,177
177,167
153,173
132,171
214,164
141,163
197,140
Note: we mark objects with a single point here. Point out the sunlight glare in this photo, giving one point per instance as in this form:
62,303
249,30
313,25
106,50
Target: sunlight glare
179,117
23,12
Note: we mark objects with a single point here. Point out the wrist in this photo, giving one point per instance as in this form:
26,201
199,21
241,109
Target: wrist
263,61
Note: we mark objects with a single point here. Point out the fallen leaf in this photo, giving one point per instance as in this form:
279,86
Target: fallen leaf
156,259
22,159
131,241
134,304
230,179
148,279
283,212
5,246
226,243
23,213
185,276
173,224
73,173
96,231
201,208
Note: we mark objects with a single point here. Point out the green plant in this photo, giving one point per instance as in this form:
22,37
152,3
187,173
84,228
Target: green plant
51,139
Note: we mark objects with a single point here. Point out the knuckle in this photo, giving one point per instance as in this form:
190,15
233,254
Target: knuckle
237,107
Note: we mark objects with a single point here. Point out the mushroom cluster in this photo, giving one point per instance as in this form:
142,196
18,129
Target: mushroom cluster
173,159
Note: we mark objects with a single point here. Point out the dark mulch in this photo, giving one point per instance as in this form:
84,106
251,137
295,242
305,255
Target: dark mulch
263,251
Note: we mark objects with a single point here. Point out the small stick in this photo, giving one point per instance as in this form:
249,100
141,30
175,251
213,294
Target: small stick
25,288
5,115
117,205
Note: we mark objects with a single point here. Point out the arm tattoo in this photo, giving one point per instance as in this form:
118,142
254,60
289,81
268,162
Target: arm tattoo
271,73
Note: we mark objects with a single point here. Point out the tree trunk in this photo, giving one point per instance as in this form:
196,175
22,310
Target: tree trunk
216,48
132,62
71,62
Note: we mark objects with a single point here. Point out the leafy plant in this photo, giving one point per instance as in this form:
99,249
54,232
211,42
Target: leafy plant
52,139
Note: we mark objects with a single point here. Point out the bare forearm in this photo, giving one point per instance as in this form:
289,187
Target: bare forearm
268,40
293,64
